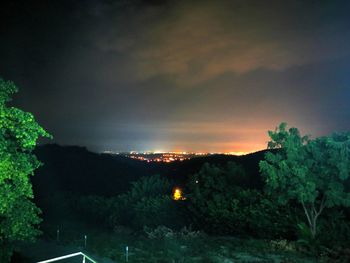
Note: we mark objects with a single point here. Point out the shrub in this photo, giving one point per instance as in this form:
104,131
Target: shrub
159,232
219,205
148,203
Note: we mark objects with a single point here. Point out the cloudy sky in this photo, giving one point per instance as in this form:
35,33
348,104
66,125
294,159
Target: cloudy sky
178,75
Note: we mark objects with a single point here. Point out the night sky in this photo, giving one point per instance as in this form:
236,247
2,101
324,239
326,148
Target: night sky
178,75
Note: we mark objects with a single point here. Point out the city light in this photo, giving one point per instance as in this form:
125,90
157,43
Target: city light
168,157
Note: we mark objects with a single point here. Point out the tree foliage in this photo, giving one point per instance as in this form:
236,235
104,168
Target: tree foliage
312,172
212,190
18,136
220,204
147,203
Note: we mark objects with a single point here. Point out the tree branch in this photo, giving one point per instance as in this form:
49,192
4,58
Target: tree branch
322,205
306,213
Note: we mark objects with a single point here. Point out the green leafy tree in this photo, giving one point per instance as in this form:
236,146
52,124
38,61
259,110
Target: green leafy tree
220,204
147,203
149,186
212,192
18,135
311,172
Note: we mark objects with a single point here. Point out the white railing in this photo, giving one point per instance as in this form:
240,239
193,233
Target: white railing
69,256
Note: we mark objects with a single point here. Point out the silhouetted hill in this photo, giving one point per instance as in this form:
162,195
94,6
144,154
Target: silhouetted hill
77,170
180,171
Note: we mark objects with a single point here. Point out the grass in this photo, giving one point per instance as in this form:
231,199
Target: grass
171,248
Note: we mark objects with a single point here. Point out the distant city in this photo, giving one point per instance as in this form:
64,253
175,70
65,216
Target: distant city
167,157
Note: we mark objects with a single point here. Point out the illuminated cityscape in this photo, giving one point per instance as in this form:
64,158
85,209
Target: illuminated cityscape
168,157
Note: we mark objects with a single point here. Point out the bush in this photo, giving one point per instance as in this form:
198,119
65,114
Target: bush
154,211
187,233
331,239
94,208
220,206
159,232
334,229
148,203
282,245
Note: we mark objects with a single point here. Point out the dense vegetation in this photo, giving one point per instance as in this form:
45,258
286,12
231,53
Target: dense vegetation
225,196
293,197
18,135
311,172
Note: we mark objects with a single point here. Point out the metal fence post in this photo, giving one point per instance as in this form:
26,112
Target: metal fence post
127,253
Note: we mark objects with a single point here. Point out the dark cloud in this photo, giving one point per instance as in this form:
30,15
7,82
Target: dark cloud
190,75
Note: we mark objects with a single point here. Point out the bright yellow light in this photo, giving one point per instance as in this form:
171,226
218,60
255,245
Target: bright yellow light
178,195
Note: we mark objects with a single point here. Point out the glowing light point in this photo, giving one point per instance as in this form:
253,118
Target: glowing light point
177,195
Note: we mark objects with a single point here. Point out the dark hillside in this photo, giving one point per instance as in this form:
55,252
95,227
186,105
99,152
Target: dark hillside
75,169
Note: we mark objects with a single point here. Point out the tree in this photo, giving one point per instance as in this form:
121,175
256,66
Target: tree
311,172
222,201
147,203
18,135
212,191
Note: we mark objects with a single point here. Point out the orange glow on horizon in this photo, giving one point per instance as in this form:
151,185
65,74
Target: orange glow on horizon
238,137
